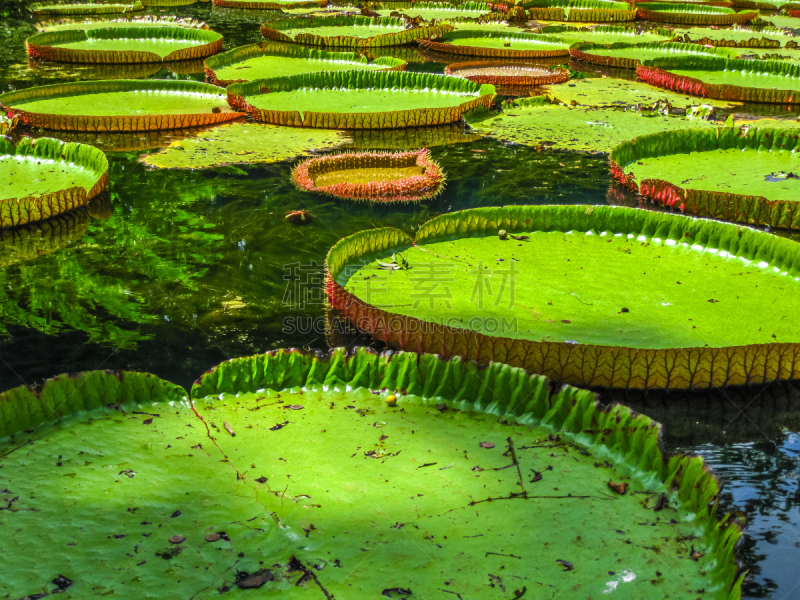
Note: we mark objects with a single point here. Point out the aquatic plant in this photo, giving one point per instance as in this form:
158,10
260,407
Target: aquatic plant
692,14
576,321
630,56
389,99
350,32
271,4
498,44
607,463
372,176
592,11
744,175
508,74
734,79
47,177
142,44
120,105
262,60
42,9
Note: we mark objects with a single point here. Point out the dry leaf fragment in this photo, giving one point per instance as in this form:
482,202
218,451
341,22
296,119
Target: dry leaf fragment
620,488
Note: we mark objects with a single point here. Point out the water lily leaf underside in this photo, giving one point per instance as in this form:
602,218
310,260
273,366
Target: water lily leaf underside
746,176
121,105
46,177
684,320
288,473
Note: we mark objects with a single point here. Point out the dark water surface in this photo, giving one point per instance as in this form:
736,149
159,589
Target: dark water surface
176,271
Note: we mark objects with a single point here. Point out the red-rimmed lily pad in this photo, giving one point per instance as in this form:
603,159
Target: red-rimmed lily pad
46,177
350,32
725,78
124,44
630,56
591,11
120,105
54,9
498,44
692,14
554,477
544,288
359,99
271,59
382,177
747,176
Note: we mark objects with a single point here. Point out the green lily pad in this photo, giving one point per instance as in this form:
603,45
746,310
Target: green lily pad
429,11
629,56
608,34
579,129
617,92
243,143
729,78
125,22
498,44
124,44
736,37
591,11
769,54
43,9
499,26
271,59
120,105
271,4
389,505
692,14
764,4
685,321
349,32
359,99
748,176
46,177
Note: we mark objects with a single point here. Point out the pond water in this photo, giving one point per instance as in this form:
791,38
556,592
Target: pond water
180,270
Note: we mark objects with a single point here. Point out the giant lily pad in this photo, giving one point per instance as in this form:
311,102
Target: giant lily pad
532,122
765,5
120,105
692,14
737,38
359,99
349,32
508,77
617,92
630,56
728,78
43,9
439,11
372,176
243,143
45,177
552,297
124,44
746,176
260,61
593,11
271,4
388,508
608,34
498,44
126,22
